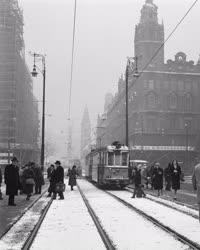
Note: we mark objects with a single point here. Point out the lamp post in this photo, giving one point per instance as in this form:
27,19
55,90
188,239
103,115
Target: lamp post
186,144
34,74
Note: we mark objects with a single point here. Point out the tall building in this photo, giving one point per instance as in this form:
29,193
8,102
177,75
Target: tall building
85,135
19,123
164,104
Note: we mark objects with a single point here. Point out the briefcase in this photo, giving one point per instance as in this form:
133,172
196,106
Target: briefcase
60,187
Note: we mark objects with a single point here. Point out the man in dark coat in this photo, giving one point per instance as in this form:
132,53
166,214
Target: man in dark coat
1,198
175,177
158,178
11,177
39,179
57,177
72,177
137,180
167,175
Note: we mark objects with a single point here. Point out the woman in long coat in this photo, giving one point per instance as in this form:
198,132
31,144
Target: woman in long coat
28,179
158,178
72,177
175,177
196,183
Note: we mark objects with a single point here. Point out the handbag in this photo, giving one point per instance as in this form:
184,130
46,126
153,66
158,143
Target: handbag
30,181
60,187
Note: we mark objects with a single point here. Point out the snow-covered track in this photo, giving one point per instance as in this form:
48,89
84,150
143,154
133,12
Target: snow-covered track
23,213
33,234
107,242
24,229
169,230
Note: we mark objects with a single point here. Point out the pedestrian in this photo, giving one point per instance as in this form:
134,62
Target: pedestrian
137,180
167,176
1,196
196,183
28,179
175,177
57,178
49,176
11,178
72,173
158,178
39,179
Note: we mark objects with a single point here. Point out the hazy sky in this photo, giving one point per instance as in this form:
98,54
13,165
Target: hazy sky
104,38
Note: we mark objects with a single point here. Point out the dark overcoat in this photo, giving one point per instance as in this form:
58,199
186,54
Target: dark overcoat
72,177
57,176
175,177
11,177
136,176
158,178
28,174
39,179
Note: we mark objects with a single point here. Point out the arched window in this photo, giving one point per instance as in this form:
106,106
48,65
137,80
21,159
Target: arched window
188,102
173,101
151,100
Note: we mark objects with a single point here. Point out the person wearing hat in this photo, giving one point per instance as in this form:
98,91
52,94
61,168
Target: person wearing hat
175,177
72,173
1,198
57,177
11,177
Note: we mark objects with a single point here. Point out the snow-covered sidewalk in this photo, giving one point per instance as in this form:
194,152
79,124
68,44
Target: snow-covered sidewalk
179,222
68,226
126,228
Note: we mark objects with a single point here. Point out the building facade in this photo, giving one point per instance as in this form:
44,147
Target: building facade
164,104
19,122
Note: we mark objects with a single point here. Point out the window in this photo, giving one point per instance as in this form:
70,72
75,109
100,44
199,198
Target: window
188,102
151,100
110,158
180,85
117,158
173,101
124,159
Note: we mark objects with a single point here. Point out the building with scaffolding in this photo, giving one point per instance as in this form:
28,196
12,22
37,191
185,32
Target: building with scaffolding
19,122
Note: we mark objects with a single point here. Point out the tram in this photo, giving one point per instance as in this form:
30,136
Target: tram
108,166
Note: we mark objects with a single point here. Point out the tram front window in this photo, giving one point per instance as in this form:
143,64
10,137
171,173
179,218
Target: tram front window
117,158
110,158
124,159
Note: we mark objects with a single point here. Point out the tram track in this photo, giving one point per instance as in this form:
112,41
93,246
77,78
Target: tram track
156,222
23,231
23,213
32,236
104,236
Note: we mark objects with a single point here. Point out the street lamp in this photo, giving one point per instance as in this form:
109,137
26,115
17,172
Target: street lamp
34,73
186,142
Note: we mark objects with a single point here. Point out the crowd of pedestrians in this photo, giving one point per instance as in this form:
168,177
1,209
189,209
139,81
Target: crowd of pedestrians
157,177
29,179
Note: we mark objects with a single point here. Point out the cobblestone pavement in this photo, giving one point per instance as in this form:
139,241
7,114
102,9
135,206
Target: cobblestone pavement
9,214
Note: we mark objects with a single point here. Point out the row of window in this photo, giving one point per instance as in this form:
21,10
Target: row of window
152,101
172,85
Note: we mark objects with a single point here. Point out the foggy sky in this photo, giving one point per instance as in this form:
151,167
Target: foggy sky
104,38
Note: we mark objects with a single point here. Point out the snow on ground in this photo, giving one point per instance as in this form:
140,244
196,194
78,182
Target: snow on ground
181,208
182,223
18,234
127,229
68,226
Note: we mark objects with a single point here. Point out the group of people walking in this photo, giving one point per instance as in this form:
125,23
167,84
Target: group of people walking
55,175
22,179
155,175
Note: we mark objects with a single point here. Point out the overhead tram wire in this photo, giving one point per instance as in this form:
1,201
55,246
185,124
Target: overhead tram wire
72,61
166,40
